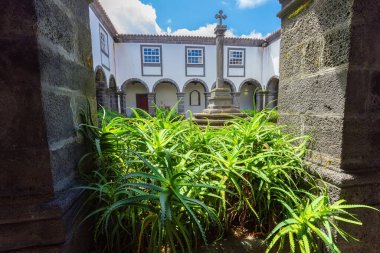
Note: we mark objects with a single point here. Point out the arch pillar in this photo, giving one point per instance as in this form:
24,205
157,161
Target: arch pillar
112,99
271,102
261,98
235,98
207,97
122,102
181,103
151,103
102,94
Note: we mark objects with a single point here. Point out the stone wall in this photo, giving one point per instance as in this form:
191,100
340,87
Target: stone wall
46,78
330,88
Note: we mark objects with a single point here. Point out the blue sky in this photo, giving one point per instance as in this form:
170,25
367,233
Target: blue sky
246,18
192,14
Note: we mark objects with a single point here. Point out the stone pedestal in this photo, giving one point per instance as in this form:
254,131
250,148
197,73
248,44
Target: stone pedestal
330,89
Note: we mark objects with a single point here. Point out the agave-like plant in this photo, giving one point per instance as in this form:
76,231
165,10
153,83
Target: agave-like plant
313,220
164,184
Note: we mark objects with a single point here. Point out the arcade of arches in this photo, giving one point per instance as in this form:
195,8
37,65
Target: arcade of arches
134,93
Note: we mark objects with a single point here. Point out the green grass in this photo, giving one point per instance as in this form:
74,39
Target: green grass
164,184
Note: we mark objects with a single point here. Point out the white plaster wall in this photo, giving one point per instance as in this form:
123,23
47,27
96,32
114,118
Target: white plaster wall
189,88
253,65
130,95
96,54
166,95
128,64
271,61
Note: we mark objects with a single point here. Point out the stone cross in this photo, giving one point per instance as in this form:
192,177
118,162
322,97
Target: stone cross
220,16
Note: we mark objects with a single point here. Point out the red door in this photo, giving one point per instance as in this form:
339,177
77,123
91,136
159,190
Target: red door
142,102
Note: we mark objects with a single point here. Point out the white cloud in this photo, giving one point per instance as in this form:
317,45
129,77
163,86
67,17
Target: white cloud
253,35
208,30
250,3
132,16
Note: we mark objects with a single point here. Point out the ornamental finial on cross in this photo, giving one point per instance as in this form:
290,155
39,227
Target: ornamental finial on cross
220,16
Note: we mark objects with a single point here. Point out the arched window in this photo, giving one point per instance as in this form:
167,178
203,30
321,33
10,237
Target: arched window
195,98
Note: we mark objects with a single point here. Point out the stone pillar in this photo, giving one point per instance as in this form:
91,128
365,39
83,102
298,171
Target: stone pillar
271,100
181,102
207,96
113,100
330,79
122,99
102,94
46,80
219,32
236,99
260,100
152,103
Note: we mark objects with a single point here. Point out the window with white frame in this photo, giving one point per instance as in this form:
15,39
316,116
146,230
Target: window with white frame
151,55
236,57
194,56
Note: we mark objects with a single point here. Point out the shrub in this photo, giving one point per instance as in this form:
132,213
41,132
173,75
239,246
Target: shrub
163,183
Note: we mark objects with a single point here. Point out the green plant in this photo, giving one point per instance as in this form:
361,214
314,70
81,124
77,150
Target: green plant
163,183
313,220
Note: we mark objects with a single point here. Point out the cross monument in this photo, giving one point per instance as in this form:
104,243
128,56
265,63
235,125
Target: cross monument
220,108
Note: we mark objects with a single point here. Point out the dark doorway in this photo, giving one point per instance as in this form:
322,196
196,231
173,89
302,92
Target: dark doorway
142,102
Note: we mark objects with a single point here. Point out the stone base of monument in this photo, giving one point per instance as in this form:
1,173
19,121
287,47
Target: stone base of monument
220,109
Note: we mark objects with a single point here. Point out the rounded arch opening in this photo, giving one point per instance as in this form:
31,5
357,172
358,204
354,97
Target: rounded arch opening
101,87
249,95
272,87
134,95
228,83
166,93
196,81
195,96
166,81
113,96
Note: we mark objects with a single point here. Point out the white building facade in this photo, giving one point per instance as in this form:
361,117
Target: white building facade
144,71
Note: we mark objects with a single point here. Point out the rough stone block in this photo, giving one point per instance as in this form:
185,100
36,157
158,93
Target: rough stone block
366,12
332,13
60,72
290,61
19,61
316,94
64,162
84,53
59,117
21,127
311,61
12,24
357,92
55,24
337,47
373,103
327,132
361,146
22,235
25,172
79,10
